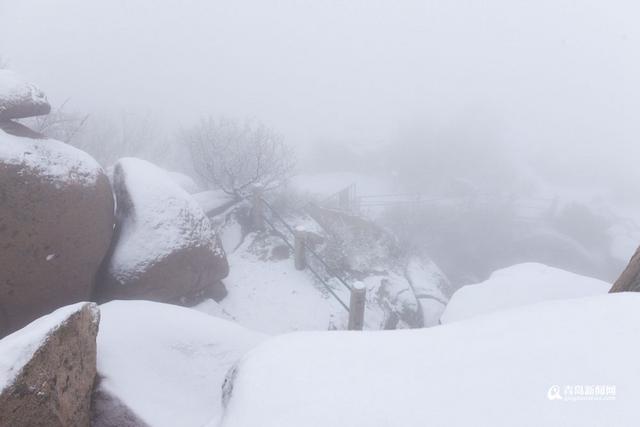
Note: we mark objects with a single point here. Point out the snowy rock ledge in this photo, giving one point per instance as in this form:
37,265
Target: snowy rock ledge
165,248
494,370
47,369
19,98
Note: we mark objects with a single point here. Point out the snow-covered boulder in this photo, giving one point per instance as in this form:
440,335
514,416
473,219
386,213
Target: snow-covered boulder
166,364
165,248
56,223
517,285
47,369
20,98
567,362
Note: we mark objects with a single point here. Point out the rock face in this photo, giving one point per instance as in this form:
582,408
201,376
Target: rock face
629,280
19,98
56,223
47,370
165,248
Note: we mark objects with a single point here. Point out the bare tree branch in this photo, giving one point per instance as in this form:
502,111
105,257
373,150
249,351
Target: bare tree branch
233,157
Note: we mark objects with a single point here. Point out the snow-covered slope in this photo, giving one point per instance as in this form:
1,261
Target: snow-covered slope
272,296
519,285
167,363
494,370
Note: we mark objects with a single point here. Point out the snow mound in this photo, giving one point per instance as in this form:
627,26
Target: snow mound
185,182
517,285
49,159
161,219
167,363
19,98
18,348
213,201
496,370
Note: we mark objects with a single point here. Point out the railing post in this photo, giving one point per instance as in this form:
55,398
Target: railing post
300,258
356,306
257,211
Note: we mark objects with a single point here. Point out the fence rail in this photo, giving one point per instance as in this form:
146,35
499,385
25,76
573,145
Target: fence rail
308,249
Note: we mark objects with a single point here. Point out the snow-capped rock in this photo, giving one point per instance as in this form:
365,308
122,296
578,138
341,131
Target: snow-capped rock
166,364
20,98
56,223
47,369
518,285
528,366
165,248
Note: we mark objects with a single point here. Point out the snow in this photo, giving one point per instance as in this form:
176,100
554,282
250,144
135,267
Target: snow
427,279
274,297
519,285
14,89
185,182
212,200
49,159
164,218
493,370
17,349
167,363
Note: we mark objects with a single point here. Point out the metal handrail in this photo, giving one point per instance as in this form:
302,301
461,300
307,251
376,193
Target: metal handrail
283,237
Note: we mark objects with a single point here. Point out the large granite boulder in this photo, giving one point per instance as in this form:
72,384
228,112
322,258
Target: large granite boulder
165,248
56,223
48,368
19,98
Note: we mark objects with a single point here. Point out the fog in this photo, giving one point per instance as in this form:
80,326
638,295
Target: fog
507,95
207,206
548,77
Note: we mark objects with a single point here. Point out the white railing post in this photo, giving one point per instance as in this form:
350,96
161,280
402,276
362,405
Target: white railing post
356,306
300,258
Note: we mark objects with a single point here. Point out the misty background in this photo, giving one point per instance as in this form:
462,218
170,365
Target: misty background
510,98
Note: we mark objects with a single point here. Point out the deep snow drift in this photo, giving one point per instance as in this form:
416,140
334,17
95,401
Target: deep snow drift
493,370
517,285
167,363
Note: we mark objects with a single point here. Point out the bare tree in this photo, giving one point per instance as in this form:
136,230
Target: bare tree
3,63
58,124
234,157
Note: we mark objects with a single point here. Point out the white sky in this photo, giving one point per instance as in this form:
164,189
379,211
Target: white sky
553,76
